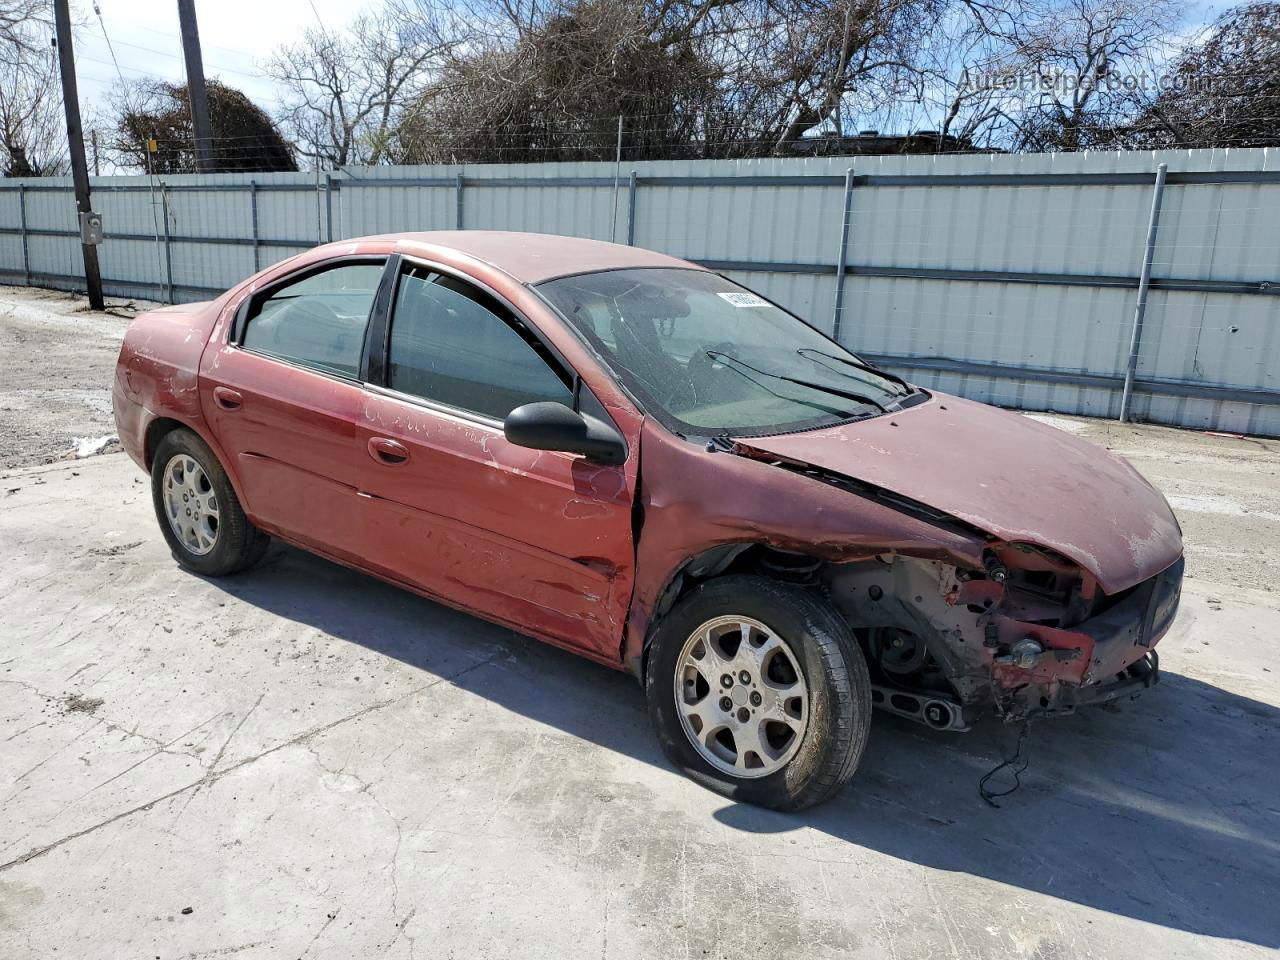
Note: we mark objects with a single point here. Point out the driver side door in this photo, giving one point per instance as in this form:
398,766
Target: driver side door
539,540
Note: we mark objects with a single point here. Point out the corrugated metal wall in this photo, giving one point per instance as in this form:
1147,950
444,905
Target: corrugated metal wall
1010,279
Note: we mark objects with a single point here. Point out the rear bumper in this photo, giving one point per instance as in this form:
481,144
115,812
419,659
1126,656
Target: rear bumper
131,421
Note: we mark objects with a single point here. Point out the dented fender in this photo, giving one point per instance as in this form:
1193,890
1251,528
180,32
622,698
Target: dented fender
692,501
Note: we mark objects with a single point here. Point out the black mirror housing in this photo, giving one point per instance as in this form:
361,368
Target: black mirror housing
548,425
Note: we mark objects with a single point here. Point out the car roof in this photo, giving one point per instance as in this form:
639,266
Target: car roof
535,257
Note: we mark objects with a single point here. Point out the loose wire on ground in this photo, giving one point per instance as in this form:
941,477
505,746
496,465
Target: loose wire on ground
1016,764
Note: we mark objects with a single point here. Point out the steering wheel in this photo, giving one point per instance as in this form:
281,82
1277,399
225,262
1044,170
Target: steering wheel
701,365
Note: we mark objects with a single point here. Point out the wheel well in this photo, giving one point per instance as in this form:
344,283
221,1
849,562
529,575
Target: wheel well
757,558
157,430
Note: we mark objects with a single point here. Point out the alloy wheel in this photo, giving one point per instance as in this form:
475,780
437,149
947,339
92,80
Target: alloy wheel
190,504
741,696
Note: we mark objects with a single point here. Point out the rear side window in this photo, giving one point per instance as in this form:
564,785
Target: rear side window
455,345
318,321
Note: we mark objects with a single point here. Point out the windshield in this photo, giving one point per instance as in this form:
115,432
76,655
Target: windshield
714,358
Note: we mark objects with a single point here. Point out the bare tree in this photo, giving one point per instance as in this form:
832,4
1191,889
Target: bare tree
31,121
244,138
548,79
689,77
20,29
555,90
820,56
1085,63
1224,89
345,90
952,93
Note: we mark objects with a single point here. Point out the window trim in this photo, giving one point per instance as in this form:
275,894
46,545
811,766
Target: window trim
457,413
235,335
375,351
373,360
380,350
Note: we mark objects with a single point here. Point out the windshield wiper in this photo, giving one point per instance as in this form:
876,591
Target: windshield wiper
820,387
858,364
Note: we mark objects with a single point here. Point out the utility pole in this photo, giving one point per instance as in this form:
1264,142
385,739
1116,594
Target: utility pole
196,94
75,141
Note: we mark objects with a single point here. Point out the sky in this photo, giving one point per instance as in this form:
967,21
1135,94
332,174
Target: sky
235,36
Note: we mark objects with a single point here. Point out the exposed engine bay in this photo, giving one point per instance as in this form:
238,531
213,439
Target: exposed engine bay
1019,629
1030,635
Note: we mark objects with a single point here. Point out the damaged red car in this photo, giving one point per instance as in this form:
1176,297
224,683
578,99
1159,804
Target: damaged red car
632,457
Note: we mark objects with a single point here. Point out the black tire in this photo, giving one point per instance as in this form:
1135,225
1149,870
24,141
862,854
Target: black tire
835,674
238,544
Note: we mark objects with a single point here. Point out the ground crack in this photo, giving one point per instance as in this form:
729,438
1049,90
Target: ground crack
213,775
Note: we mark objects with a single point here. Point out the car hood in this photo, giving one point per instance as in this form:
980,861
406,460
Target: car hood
1006,474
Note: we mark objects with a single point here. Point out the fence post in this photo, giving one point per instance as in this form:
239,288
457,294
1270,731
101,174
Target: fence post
253,220
458,203
319,226
631,210
328,207
844,253
26,252
1144,281
168,253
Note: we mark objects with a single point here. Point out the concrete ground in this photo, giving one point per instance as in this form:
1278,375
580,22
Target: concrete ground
304,762
58,358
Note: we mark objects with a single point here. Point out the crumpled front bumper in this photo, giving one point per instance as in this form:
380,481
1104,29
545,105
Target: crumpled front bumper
1104,658
1136,677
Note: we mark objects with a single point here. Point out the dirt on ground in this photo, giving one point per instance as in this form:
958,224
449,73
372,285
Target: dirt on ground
58,358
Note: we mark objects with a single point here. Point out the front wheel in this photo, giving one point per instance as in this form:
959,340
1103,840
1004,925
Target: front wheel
199,513
758,690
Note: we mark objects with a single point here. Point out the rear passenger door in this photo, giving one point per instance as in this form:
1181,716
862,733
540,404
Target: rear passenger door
536,539
283,395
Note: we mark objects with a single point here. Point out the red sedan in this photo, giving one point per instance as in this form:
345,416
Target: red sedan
634,458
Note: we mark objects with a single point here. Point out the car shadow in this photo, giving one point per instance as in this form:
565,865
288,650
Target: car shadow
1163,809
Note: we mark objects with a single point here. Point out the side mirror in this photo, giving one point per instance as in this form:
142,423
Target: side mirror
547,425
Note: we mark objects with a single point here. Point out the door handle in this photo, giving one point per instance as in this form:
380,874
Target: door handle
388,451
227,398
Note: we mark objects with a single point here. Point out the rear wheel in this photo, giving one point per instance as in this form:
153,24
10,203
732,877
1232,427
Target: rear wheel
199,513
759,691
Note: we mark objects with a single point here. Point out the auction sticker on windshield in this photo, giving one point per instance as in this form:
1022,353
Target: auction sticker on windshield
744,299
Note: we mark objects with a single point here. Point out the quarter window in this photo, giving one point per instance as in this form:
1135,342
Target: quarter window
318,321
454,345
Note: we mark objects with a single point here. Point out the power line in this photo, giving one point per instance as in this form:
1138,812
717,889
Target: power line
169,35
163,53
311,4
103,27
173,56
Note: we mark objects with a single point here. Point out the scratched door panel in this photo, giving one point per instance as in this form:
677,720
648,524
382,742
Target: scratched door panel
291,442
536,538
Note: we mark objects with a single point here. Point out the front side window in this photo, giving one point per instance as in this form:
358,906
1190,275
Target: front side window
454,345
318,321
710,357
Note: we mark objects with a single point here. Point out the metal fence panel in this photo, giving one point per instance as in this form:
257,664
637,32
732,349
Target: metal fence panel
1011,279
